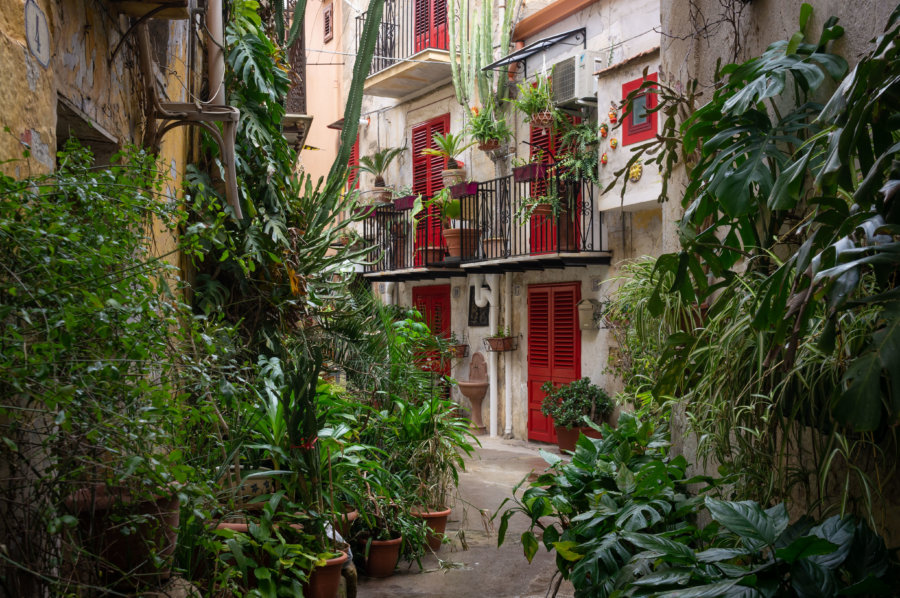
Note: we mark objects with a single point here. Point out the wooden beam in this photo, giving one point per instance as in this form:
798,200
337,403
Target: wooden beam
547,16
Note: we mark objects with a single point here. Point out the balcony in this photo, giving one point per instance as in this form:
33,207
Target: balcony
411,50
493,237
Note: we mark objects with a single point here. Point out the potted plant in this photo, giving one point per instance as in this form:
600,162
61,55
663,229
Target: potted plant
376,165
449,146
461,241
530,169
464,189
547,205
490,132
569,404
579,153
458,348
503,340
536,102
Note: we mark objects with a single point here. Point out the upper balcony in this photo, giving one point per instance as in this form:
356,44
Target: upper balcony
493,237
411,52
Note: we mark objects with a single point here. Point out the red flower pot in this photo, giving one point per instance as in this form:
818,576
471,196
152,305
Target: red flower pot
383,557
437,523
529,172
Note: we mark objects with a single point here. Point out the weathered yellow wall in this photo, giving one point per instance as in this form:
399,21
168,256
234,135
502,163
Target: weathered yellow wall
84,34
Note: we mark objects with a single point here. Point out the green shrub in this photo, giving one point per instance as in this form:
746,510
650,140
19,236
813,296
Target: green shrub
570,403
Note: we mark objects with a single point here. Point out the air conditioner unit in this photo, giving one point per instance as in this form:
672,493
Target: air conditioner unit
573,80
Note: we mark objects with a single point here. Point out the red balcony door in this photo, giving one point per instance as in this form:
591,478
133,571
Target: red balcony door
433,302
554,348
430,24
544,234
426,182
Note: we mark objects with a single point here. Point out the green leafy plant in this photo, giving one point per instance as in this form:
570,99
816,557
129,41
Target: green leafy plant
485,126
534,99
501,333
614,487
579,151
757,553
378,163
448,146
569,404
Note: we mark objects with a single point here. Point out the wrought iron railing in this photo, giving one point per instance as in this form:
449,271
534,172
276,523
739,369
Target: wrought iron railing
407,28
494,227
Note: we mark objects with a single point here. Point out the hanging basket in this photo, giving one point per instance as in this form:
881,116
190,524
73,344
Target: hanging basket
502,344
542,120
489,145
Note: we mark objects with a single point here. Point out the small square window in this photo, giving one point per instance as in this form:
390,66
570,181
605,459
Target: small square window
640,124
328,21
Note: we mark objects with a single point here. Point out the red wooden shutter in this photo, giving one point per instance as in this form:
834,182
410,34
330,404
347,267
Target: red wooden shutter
645,128
439,24
427,181
566,356
433,302
328,22
352,163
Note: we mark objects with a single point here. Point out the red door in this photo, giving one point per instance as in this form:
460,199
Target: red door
433,302
554,348
426,182
430,24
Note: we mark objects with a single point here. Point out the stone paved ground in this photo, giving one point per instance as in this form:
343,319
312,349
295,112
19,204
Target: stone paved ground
483,571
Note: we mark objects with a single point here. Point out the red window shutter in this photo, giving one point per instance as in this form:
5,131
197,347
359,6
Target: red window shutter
439,24
566,355
420,163
328,22
645,128
539,332
427,181
352,172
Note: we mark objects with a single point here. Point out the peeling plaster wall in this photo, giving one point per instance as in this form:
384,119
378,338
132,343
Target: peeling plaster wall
108,93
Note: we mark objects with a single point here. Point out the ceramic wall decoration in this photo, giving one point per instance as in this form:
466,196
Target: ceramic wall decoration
613,113
604,159
635,172
604,130
613,143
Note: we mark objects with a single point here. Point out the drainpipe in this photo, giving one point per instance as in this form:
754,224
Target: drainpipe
215,68
481,299
387,296
507,388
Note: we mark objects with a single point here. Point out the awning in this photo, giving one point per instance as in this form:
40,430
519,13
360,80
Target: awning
533,48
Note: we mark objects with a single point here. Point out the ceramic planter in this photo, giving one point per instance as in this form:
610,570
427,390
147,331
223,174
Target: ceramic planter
459,351
489,145
529,172
566,438
461,242
453,176
463,189
383,557
437,523
324,581
542,209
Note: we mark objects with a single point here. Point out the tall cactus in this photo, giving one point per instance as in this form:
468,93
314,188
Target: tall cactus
471,50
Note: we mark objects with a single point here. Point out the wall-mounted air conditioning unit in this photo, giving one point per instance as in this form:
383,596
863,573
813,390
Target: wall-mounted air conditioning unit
574,83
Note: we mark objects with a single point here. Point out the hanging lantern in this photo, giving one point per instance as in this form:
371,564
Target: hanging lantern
635,172
604,159
613,143
604,130
613,113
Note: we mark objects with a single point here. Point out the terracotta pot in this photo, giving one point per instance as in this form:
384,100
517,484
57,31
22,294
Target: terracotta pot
529,172
324,581
383,557
459,351
453,176
437,523
431,255
543,120
566,438
154,531
461,242
505,343
489,145
342,525
543,209
494,247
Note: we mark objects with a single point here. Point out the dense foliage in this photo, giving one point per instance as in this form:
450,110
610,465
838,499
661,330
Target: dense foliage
568,404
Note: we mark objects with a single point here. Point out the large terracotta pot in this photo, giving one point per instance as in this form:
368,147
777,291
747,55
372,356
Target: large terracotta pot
324,581
461,242
566,438
383,557
154,531
431,255
437,523
343,523
452,176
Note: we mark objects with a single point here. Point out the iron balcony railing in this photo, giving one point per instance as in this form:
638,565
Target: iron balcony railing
492,228
407,28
